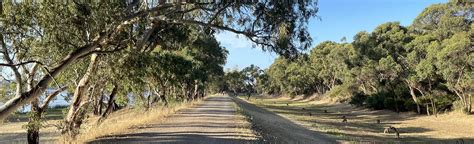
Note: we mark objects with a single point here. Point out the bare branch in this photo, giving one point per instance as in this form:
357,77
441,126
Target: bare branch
248,34
21,63
9,61
50,97
218,12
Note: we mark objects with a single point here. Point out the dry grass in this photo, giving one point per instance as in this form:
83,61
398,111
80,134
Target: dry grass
244,126
362,124
18,127
124,121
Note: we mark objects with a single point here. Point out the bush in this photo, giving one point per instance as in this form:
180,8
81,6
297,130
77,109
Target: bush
342,92
445,103
358,99
458,106
389,103
409,104
376,101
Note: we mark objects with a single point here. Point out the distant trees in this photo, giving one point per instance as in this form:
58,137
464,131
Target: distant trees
425,65
246,81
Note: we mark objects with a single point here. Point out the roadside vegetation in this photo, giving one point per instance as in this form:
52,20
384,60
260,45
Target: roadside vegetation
425,67
414,80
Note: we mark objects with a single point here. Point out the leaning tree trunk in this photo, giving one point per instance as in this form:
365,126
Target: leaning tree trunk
466,101
415,99
110,104
72,122
21,99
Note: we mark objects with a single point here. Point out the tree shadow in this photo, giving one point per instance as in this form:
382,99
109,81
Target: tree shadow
175,137
277,129
328,119
208,122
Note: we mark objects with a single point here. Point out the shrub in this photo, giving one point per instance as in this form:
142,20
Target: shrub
389,103
342,92
409,104
358,99
376,101
458,106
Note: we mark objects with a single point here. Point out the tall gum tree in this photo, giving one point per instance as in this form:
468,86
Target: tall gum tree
278,26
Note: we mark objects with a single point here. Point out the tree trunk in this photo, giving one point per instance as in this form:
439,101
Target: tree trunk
26,97
98,105
72,121
110,104
196,90
428,109
33,136
163,96
469,104
33,126
433,105
98,99
466,101
415,99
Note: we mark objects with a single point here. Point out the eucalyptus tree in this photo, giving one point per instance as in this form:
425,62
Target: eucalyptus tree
278,76
455,63
208,59
432,27
251,73
273,25
235,81
22,40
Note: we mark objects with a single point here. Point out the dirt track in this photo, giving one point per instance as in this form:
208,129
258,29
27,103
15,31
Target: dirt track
215,120
277,129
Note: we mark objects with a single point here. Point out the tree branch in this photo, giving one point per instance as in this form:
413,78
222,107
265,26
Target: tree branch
50,97
21,63
218,12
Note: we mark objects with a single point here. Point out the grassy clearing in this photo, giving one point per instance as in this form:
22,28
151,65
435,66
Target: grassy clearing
14,125
50,114
362,123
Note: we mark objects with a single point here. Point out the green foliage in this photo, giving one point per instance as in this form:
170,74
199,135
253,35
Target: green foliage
393,67
358,99
343,92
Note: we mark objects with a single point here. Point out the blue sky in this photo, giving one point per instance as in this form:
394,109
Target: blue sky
339,18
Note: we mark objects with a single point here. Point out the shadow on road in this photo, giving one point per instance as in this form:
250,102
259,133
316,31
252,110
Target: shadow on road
277,129
212,121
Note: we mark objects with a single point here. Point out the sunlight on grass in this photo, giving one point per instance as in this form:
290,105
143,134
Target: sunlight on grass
362,123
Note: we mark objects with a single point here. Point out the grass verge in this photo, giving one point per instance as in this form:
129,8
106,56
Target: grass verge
248,127
362,123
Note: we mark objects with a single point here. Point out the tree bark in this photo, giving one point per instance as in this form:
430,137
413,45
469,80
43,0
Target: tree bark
110,104
33,127
72,121
415,99
26,97
196,89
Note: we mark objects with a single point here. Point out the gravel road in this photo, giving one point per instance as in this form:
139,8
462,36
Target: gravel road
277,129
215,120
